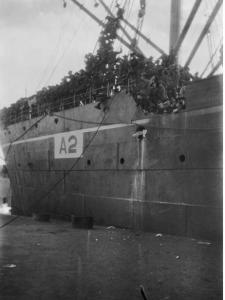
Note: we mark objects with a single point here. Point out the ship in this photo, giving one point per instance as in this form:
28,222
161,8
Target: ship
121,165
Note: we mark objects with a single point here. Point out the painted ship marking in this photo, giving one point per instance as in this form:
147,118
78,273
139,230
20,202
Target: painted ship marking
68,145
74,132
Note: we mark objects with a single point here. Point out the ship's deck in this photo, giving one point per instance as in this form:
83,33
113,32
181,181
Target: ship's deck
54,261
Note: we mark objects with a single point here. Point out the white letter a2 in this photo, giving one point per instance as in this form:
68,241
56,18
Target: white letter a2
63,146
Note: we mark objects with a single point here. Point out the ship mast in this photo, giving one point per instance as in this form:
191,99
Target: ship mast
174,23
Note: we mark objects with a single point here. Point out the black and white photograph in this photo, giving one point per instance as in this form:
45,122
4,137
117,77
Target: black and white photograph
111,150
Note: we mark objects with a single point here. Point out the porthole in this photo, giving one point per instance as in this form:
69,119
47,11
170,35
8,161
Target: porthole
30,165
122,161
182,158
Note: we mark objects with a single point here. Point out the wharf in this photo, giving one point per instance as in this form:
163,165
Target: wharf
55,261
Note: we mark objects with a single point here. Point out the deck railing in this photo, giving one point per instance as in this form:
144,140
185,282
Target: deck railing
60,104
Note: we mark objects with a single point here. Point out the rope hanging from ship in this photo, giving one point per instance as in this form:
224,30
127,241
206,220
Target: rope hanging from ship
67,172
157,86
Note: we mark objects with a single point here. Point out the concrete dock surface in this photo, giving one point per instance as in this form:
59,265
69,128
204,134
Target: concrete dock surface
52,260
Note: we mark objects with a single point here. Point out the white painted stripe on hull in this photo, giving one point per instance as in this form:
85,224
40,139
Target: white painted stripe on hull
84,130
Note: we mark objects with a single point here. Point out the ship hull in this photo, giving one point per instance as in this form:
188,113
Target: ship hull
168,179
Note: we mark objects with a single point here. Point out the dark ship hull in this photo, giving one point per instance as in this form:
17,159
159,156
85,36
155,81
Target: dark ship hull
169,180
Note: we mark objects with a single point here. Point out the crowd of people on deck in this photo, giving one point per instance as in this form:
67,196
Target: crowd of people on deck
152,96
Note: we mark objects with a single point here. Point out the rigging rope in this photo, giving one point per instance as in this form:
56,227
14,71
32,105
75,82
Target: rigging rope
9,148
64,52
140,19
54,54
126,10
213,55
209,43
66,48
209,37
10,221
214,33
76,162
111,5
129,9
23,134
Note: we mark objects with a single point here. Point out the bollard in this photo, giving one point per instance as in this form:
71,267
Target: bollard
41,217
82,222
